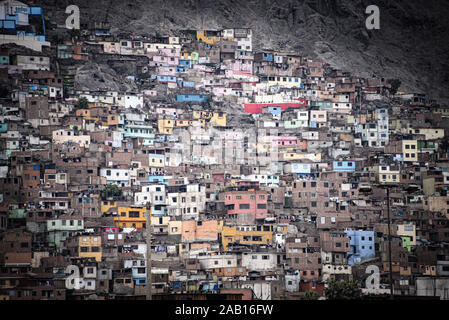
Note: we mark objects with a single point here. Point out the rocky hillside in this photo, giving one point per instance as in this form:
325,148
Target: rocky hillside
411,45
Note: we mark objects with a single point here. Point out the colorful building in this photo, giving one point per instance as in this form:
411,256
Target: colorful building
247,234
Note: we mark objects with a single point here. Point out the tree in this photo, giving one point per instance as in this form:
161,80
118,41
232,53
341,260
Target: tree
343,290
394,85
310,295
83,103
111,190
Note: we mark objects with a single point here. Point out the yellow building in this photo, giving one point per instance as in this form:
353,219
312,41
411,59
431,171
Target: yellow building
183,123
346,137
217,119
284,81
175,227
202,37
410,150
86,114
282,228
131,217
350,119
300,155
387,175
156,160
90,247
261,234
430,133
165,126
106,205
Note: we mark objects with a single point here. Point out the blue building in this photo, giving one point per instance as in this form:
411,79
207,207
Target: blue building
361,246
188,84
275,111
344,166
301,169
192,97
162,78
267,56
157,179
186,63
158,211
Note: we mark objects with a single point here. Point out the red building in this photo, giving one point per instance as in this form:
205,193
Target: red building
318,287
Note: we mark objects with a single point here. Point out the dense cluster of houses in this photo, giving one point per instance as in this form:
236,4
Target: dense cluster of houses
253,166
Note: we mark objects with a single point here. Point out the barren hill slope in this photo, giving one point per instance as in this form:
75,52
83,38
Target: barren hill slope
411,45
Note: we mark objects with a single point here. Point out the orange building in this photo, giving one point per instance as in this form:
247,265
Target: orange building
131,217
229,272
31,176
200,230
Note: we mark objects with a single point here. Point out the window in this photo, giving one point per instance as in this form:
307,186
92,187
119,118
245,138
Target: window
244,206
134,214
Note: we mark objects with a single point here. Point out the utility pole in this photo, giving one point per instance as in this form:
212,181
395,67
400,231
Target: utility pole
148,235
389,244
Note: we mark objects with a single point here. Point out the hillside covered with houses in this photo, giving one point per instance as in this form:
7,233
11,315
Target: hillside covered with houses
267,174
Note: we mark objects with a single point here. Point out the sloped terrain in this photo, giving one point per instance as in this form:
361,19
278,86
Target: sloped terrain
411,45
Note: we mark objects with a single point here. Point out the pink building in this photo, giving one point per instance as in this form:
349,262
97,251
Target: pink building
239,65
151,93
166,60
167,71
319,116
170,52
247,206
201,67
110,230
167,111
283,140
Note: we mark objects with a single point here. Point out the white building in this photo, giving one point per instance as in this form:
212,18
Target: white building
259,261
119,177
